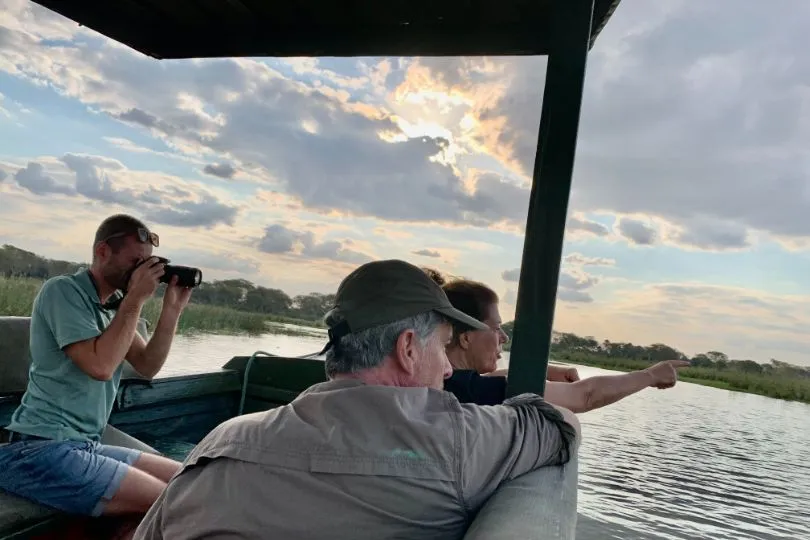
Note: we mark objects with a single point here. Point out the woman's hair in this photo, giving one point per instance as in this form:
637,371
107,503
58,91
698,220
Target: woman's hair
471,297
435,275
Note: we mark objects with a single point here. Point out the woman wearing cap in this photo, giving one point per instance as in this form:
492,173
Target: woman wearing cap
474,355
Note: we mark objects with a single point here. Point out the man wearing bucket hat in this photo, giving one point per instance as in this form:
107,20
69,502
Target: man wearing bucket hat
377,451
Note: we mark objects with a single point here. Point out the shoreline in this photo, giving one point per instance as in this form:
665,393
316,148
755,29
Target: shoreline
794,390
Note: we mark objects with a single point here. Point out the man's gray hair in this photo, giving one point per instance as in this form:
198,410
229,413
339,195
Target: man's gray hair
367,349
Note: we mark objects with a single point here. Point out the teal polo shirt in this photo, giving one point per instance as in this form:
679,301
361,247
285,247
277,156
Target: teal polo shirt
61,401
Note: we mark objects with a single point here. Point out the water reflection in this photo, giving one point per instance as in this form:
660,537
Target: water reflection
684,463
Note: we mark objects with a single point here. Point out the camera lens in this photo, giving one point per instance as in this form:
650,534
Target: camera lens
187,276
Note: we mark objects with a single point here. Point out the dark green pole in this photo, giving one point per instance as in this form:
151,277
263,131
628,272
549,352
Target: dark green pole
551,188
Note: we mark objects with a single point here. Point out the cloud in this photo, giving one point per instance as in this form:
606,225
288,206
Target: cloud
571,287
317,142
707,129
511,275
205,212
34,179
92,182
571,295
494,198
222,170
129,146
3,175
703,317
159,198
427,253
576,224
573,284
510,297
637,232
578,259
173,206
282,240
716,235
278,239
646,108
3,111
217,261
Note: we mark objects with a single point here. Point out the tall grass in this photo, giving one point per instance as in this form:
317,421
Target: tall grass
770,385
17,296
199,318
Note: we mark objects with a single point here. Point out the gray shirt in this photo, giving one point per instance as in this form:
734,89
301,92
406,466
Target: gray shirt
351,460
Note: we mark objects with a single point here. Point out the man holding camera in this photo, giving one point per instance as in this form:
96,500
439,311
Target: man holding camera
83,326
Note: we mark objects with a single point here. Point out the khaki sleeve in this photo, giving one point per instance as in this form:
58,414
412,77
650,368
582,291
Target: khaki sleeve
151,527
502,442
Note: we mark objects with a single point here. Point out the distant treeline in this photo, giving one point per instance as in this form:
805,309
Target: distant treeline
243,296
237,294
776,379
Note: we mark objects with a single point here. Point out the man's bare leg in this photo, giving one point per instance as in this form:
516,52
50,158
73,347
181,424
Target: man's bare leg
158,466
140,488
136,494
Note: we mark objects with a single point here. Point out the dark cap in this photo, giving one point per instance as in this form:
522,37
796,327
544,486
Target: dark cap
118,224
383,292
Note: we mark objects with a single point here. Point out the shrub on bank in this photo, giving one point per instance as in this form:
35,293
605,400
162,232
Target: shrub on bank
17,295
199,318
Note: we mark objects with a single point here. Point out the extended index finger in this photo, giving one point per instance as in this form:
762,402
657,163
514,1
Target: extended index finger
680,363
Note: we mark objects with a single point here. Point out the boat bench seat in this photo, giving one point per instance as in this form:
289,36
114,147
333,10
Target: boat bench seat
16,513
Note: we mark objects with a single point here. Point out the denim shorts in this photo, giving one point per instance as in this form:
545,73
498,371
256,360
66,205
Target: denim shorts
78,477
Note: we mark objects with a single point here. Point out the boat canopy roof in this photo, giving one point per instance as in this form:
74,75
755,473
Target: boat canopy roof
221,28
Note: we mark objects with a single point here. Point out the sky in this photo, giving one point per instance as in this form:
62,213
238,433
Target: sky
689,219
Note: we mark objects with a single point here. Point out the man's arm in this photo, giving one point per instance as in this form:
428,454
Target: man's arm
100,356
148,358
95,352
595,392
505,441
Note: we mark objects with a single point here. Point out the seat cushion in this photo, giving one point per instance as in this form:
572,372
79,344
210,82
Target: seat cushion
14,354
17,514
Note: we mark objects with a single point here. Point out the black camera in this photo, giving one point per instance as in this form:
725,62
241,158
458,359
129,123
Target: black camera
187,276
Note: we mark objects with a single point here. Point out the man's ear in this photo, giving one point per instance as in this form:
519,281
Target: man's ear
405,351
100,249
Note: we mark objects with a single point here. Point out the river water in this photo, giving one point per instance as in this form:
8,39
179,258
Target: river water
684,463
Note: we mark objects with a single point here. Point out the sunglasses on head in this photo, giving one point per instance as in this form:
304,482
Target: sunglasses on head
143,235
